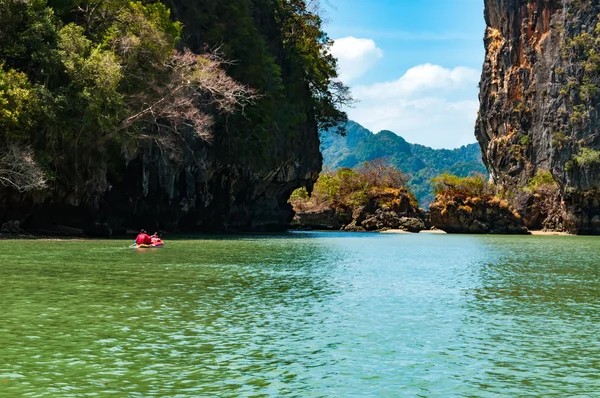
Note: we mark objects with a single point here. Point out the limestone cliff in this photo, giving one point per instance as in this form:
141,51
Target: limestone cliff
241,179
539,91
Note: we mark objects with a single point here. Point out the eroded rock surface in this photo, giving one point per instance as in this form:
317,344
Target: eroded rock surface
475,216
539,94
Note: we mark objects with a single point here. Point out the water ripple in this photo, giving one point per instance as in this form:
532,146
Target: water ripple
304,314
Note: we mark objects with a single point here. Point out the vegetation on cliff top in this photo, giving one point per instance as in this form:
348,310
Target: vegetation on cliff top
466,191
471,205
454,186
347,188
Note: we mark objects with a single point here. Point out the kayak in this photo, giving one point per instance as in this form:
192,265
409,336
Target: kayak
152,246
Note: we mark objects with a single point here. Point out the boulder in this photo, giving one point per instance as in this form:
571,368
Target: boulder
11,227
327,219
475,216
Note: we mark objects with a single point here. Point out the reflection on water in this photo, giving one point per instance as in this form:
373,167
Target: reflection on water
303,314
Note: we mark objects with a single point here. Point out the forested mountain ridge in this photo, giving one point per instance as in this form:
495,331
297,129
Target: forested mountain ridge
107,121
421,163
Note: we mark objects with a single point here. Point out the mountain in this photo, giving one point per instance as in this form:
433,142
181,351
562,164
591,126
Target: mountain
420,162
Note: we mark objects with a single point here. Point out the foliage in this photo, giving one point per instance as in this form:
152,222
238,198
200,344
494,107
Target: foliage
183,96
19,170
525,140
80,80
587,157
18,103
305,41
540,181
278,48
378,173
579,115
543,177
347,188
465,187
581,79
559,139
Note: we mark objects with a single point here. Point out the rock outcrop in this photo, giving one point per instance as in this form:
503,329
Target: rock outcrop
539,92
385,209
475,216
325,219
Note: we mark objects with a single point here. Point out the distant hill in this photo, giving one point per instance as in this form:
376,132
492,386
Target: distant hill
420,162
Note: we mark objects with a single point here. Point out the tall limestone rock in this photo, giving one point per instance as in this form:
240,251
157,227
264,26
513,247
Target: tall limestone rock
540,90
238,181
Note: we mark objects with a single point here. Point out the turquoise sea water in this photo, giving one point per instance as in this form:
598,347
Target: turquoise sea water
303,315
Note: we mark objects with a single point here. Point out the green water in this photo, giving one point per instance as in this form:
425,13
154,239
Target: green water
303,314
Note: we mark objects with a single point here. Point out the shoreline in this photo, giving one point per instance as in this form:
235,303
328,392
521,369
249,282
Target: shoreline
440,232
401,231
61,238
551,233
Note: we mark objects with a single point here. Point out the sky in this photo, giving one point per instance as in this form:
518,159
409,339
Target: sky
413,65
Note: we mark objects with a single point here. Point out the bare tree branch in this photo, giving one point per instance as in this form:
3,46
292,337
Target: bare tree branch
196,87
19,170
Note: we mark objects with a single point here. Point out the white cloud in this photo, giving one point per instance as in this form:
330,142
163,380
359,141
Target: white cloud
429,105
421,80
355,56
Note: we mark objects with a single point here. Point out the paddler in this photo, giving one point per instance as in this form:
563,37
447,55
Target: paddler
143,238
156,240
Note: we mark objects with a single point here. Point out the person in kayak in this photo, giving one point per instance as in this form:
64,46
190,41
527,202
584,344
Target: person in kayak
156,240
143,238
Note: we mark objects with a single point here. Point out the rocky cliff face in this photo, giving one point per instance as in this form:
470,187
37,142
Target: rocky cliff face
539,90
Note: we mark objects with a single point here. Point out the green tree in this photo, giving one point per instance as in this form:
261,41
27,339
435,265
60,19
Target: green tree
306,42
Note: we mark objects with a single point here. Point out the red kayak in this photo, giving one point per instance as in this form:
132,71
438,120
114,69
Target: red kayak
154,245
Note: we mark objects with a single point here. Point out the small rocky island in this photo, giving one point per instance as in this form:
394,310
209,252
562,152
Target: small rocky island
469,205
373,198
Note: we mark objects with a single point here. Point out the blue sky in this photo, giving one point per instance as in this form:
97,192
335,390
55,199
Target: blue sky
413,65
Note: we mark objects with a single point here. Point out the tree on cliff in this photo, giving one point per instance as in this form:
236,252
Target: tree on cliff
20,171
306,42
81,80
80,77
194,85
